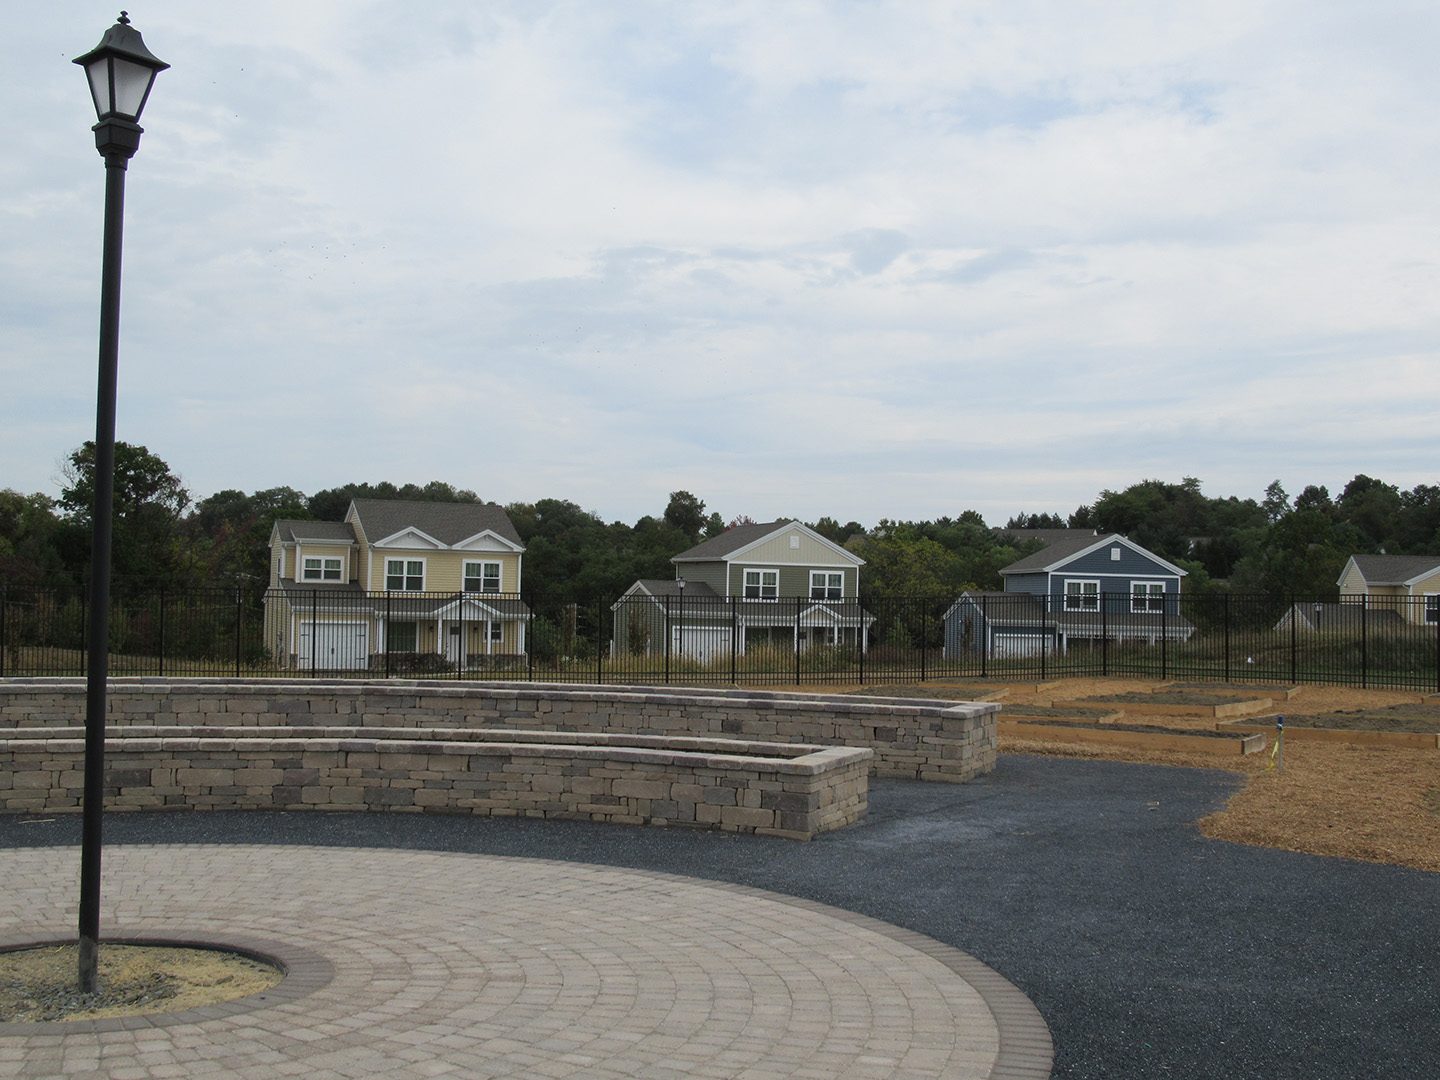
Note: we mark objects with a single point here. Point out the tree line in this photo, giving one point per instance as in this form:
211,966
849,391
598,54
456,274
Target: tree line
1276,546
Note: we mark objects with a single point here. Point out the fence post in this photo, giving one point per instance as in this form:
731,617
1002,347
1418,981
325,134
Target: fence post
162,631
1437,648
386,635
1046,638
923,632
1164,638
240,626
4,638
797,641
1225,617
600,638
84,637
314,623
667,639
1104,637
984,629
860,636
735,639
1294,616
1364,644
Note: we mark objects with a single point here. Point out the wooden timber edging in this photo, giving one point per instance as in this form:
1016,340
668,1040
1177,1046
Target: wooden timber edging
1423,740
780,789
915,738
1157,708
1193,742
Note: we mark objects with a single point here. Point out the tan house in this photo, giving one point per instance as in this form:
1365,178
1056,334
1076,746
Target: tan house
1406,584
435,584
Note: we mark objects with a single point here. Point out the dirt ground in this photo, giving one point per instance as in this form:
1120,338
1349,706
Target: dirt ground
1376,804
41,984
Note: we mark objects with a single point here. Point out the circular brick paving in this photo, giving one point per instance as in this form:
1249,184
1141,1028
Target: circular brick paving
418,964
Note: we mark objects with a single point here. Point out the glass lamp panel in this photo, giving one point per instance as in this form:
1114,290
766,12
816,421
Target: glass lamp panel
98,72
132,83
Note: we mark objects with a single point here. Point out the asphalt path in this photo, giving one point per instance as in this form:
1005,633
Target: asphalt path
1150,950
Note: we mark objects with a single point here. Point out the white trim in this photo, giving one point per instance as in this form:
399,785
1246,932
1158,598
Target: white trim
746,571
465,565
1065,605
826,585
850,558
1100,542
409,530
1147,596
323,560
510,545
405,573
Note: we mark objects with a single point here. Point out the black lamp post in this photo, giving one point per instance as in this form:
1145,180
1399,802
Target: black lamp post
121,71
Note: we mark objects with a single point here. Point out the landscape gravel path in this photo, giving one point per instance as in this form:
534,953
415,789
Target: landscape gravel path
1150,950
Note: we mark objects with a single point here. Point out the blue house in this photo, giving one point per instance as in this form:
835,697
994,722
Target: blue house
1080,587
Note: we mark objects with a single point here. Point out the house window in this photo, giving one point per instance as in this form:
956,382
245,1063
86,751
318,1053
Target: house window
825,585
482,577
762,584
497,633
401,637
1082,596
1114,554
321,569
1147,596
405,575
1432,607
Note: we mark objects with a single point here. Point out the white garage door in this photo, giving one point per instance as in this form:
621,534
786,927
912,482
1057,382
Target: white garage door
338,646
703,643
1018,646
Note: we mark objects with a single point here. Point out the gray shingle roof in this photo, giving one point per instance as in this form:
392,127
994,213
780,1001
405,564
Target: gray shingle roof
1061,548
1394,569
447,522
717,547
332,532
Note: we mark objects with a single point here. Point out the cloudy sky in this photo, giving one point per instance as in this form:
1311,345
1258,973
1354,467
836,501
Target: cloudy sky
863,259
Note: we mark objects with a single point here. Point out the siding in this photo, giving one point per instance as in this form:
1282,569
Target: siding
778,552
444,570
1351,581
1131,564
317,550
794,580
709,573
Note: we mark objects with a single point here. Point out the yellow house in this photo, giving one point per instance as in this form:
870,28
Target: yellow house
1407,584
397,586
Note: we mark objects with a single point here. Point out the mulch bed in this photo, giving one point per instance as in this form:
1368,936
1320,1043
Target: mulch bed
1424,719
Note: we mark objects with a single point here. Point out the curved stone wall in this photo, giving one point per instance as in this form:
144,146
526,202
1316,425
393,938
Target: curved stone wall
939,741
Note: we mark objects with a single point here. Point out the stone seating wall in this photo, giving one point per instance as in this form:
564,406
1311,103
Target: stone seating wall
743,786
938,741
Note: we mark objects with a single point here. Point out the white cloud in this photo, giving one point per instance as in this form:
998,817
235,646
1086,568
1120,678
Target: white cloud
858,259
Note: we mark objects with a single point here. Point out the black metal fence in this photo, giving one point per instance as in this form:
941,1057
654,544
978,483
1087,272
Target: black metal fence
342,632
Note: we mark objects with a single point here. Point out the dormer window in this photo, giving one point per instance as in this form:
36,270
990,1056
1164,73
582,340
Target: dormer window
826,585
321,569
482,577
762,584
405,575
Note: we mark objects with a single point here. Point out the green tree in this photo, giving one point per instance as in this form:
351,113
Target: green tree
149,499
29,531
686,513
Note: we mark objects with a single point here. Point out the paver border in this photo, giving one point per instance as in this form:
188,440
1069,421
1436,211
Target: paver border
1026,1051
303,971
